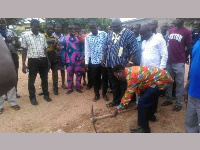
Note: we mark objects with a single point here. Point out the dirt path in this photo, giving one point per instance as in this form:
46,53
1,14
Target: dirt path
71,113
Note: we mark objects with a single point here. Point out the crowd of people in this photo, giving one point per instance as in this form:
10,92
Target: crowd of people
136,62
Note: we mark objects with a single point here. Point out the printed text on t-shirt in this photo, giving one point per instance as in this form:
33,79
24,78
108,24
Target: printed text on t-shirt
177,37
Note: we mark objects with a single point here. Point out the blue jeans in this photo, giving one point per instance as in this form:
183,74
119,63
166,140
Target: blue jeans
147,106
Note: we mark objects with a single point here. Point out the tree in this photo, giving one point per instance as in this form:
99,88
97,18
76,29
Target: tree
189,21
15,21
82,22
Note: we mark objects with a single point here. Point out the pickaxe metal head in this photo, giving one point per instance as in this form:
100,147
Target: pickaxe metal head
93,119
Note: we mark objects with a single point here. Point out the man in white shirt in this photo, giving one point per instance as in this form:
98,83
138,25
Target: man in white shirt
94,49
154,49
34,47
154,54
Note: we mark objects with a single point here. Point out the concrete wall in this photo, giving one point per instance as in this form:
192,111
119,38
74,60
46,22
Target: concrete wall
148,20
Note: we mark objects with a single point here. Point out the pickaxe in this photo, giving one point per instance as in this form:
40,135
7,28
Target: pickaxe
94,119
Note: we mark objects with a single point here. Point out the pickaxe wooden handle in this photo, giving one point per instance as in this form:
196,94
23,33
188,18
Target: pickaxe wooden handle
108,115
94,119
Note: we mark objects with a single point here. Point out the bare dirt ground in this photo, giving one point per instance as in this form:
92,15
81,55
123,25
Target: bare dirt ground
71,113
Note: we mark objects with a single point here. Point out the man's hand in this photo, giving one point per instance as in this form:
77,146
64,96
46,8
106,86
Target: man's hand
129,64
49,65
187,61
10,39
86,67
185,95
103,64
24,69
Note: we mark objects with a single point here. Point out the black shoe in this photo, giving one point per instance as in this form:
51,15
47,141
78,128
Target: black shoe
177,108
18,96
79,90
88,87
105,97
40,94
96,98
140,130
33,101
55,92
47,98
153,118
166,103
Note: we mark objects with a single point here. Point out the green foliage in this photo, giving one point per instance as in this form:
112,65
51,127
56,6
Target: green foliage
15,21
189,21
82,22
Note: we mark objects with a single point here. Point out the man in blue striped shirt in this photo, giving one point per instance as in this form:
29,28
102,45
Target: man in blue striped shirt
120,48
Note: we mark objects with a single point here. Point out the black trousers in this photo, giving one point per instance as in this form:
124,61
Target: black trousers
36,65
15,58
147,105
89,74
54,67
97,72
118,87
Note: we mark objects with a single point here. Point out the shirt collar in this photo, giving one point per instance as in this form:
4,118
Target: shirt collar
139,38
97,33
34,34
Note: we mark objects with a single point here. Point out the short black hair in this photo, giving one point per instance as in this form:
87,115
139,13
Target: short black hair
117,68
34,21
92,23
49,24
145,27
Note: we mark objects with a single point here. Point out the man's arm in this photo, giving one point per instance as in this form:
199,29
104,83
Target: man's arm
24,55
133,46
188,53
7,72
163,53
87,52
188,41
104,51
128,95
24,46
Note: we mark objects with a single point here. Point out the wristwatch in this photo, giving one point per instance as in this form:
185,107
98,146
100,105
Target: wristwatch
130,62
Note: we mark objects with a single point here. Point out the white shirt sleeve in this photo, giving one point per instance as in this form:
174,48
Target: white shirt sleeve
87,52
163,53
24,42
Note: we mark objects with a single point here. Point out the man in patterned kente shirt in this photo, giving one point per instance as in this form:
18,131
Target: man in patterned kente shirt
94,43
71,55
120,48
61,66
53,47
146,82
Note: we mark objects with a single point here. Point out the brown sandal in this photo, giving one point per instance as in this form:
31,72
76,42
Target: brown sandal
16,107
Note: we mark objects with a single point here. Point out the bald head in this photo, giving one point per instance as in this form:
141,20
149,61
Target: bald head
154,26
116,25
136,29
116,20
145,32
